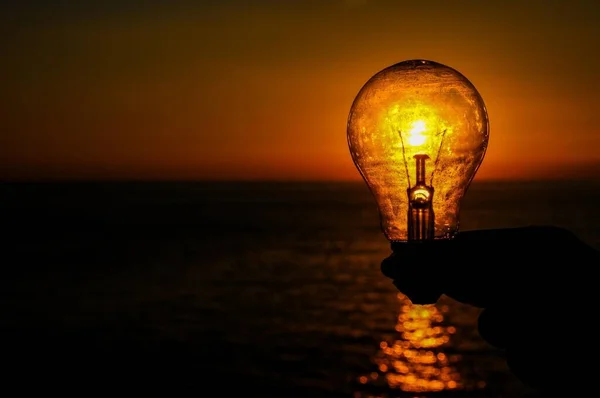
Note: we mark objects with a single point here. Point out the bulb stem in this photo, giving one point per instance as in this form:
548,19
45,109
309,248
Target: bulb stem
421,218
420,168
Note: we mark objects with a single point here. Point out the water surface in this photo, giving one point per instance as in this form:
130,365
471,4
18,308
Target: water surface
274,288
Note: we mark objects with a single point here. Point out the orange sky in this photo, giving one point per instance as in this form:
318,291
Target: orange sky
262,91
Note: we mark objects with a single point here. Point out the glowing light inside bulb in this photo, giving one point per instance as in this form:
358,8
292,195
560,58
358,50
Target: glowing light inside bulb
415,135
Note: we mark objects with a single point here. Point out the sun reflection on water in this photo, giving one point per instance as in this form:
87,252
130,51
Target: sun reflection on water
414,361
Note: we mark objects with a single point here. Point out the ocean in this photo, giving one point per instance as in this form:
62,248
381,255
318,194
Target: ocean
260,288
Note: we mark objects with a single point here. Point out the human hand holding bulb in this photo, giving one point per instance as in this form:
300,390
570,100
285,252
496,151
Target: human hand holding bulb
537,288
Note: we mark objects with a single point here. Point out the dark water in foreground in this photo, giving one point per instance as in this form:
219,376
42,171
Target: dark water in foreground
273,289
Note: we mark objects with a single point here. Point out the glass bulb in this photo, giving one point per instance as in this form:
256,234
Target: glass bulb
418,131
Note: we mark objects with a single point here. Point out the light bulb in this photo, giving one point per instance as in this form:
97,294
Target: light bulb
418,131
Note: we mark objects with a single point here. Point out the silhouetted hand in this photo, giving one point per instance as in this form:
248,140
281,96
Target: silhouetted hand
537,285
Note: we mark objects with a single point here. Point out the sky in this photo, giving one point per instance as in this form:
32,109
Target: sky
236,89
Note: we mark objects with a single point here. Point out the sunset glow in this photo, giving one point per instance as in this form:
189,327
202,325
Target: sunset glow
261,90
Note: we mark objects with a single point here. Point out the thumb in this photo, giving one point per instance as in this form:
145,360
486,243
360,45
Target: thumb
415,281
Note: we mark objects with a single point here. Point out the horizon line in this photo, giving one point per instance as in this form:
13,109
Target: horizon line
49,180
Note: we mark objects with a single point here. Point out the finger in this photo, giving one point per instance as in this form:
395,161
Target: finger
528,368
517,324
547,368
418,295
478,294
494,327
413,282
